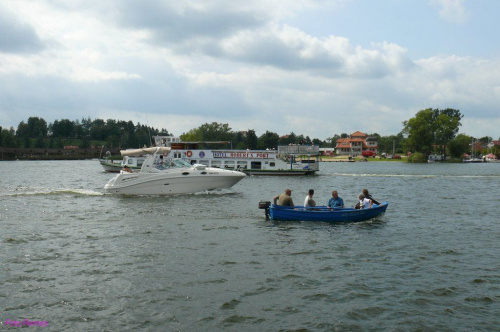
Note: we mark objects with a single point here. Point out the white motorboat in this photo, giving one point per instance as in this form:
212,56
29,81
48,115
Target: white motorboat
160,175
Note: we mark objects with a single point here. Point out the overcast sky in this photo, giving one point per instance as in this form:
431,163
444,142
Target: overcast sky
312,67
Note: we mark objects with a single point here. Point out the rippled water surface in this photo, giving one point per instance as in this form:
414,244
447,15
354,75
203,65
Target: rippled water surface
80,259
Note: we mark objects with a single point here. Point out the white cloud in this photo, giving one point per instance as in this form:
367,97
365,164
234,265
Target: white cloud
452,10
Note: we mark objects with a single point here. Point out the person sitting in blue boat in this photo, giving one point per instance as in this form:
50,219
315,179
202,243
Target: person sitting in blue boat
335,201
284,199
309,201
364,203
367,195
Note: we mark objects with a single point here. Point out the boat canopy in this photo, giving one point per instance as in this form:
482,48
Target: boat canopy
143,151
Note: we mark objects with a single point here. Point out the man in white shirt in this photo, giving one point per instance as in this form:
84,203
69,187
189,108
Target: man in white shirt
309,202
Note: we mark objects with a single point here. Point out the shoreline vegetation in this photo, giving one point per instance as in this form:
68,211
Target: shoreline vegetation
422,135
11,154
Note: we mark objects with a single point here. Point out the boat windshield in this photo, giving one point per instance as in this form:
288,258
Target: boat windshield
180,163
173,163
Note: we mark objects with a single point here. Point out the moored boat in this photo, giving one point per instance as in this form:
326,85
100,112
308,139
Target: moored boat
115,166
161,175
110,165
491,158
322,213
434,158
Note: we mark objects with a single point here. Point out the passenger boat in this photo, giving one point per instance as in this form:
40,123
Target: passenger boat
491,158
115,166
287,160
321,213
170,176
110,165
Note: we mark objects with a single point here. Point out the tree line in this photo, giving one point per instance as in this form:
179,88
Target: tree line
36,133
429,131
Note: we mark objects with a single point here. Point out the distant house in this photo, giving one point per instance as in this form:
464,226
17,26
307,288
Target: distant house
493,143
355,144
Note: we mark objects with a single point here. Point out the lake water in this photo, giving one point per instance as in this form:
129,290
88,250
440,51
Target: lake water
83,260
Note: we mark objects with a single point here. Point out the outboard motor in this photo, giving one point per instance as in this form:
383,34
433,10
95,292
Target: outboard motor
265,205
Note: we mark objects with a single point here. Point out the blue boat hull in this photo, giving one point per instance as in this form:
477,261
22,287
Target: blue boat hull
324,213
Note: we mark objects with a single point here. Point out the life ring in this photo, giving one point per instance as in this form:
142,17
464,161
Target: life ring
189,154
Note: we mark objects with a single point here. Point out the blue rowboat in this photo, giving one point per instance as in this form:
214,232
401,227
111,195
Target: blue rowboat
324,213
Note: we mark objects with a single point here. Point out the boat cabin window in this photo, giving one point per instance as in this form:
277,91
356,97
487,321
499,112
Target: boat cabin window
241,164
229,164
272,164
216,163
255,165
204,162
177,155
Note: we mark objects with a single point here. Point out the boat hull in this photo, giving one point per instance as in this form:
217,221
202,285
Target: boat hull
115,166
324,214
166,183
110,166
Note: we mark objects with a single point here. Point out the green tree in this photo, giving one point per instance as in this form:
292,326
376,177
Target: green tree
252,140
209,132
447,122
39,142
269,140
129,133
85,143
23,130
389,143
431,128
288,139
79,130
194,135
64,128
37,127
98,130
420,132
86,125
459,145
9,138
332,141
239,141
318,142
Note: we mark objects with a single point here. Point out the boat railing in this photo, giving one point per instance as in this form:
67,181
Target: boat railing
298,149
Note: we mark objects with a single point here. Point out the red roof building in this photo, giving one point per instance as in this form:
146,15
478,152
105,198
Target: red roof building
355,144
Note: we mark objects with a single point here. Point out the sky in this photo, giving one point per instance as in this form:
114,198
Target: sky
312,67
